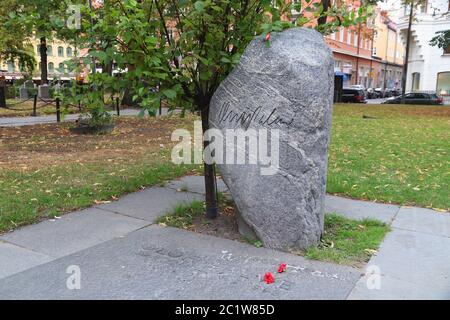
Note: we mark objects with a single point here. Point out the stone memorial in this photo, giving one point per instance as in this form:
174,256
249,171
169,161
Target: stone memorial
43,91
286,86
23,92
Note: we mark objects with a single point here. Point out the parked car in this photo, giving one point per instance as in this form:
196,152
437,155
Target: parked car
353,95
380,92
417,98
372,94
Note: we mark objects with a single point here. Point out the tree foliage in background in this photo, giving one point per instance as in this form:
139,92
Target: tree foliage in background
44,20
15,43
441,40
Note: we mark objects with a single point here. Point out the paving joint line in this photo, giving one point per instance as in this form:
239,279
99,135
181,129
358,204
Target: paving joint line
26,248
422,232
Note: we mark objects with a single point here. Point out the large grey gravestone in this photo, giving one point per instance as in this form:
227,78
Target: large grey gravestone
26,89
43,91
23,92
286,86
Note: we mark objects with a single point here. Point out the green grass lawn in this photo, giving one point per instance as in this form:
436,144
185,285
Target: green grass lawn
401,156
46,171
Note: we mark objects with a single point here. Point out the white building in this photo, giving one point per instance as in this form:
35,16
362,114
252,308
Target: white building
428,67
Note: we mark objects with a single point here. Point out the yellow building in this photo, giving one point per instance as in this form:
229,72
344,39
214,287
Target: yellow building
389,52
57,53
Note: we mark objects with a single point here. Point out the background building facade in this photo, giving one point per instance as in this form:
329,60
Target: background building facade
58,52
371,55
428,67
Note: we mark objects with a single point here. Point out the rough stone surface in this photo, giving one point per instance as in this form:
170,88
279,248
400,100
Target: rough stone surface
167,263
287,86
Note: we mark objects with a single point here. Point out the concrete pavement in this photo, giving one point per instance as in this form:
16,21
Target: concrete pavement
121,253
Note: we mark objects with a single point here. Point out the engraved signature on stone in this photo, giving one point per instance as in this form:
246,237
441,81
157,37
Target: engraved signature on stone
246,118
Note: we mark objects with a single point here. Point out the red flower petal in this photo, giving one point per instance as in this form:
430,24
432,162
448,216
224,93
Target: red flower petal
269,278
282,268
268,36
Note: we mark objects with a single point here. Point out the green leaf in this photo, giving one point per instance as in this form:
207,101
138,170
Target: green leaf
169,93
199,6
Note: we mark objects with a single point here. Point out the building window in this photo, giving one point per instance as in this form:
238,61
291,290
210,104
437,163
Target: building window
333,36
337,65
61,67
69,52
443,83
375,35
51,67
349,37
341,34
11,67
60,52
49,50
374,51
423,7
415,81
355,39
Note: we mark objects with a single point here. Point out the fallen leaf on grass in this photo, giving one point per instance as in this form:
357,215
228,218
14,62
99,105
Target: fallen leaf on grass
371,251
101,202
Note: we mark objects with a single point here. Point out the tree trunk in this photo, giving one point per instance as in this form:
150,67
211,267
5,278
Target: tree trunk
322,20
127,99
209,172
43,52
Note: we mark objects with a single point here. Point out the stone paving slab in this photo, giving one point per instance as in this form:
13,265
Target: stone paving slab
167,263
423,220
358,210
15,259
151,203
194,184
396,289
420,260
73,232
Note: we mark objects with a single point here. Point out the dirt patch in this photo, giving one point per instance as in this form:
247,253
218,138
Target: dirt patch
44,145
224,226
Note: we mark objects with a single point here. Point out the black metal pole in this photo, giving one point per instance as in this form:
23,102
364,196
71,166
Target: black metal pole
408,39
35,105
58,111
118,106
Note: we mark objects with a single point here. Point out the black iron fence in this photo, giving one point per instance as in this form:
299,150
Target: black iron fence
40,103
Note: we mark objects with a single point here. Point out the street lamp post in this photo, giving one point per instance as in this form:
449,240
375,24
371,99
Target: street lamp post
408,40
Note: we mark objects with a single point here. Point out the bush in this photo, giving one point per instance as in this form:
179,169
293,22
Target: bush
11,92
